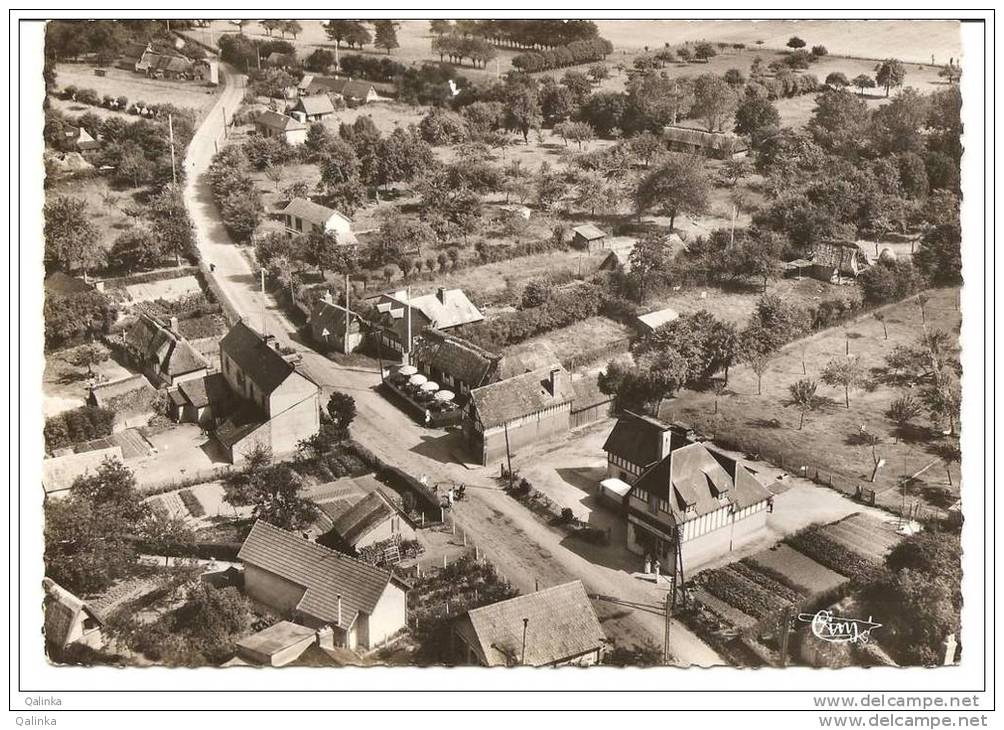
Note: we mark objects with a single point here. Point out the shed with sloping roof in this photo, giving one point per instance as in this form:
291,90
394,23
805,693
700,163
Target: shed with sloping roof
552,627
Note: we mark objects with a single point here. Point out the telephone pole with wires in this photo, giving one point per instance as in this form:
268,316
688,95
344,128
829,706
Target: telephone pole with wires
170,137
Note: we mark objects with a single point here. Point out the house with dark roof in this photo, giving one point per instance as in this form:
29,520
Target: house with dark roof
454,363
305,216
357,521
160,351
589,237
318,587
334,328
201,400
274,124
696,503
635,444
275,405
552,627
68,620
314,108
718,145
515,413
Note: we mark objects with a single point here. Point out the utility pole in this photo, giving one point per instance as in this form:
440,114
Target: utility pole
170,137
264,324
508,454
522,659
786,617
224,121
348,313
666,657
407,295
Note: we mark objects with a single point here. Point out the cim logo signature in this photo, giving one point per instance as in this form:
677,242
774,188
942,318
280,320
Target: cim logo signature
839,629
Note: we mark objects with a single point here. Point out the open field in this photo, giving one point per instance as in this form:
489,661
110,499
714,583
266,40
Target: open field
588,334
827,440
135,87
865,39
65,385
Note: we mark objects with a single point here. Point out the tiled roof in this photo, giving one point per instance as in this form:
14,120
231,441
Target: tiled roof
331,317
274,120
456,357
589,232
444,308
313,105
153,343
841,256
211,389
59,472
324,574
588,393
112,393
353,521
61,610
561,625
695,476
520,396
261,363
310,211
636,438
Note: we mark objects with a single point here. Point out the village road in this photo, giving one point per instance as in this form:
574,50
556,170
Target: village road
525,550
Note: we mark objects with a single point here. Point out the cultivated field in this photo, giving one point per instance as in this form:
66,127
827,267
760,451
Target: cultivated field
137,87
827,439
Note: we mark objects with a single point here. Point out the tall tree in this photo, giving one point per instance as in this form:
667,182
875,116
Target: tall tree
891,72
385,35
845,372
678,185
71,239
715,100
802,395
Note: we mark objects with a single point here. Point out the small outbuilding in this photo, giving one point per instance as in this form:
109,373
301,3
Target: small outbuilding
588,237
648,323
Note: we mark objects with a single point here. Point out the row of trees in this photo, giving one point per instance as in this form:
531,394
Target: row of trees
544,33
234,191
355,33
457,47
573,54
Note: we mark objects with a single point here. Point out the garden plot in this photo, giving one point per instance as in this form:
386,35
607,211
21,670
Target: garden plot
167,289
865,534
804,573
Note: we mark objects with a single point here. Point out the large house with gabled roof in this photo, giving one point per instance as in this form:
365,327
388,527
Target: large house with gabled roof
274,124
695,498
318,587
275,404
302,216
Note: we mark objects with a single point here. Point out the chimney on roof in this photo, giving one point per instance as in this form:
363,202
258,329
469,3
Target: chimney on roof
339,610
555,381
326,637
441,294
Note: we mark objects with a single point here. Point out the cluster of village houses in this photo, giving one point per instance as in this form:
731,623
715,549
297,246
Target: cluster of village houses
683,500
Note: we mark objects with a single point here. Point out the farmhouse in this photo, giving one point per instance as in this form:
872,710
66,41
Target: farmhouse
318,587
131,398
305,216
696,498
68,620
59,472
273,124
553,627
648,323
132,54
79,140
454,362
314,108
163,355
588,237
277,406
719,145
328,326
517,412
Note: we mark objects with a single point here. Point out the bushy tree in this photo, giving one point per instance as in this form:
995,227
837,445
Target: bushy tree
802,395
678,185
715,100
273,493
891,72
844,372
341,409
71,239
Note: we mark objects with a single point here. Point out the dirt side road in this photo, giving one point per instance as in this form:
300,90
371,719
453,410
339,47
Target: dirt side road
524,549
